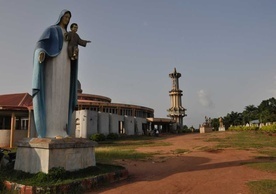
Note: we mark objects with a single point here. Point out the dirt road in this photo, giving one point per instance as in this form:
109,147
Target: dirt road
193,172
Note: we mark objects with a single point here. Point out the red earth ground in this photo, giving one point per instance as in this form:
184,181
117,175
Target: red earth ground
198,171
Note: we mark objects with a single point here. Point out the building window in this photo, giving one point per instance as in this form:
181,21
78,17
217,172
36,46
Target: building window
21,123
121,127
5,122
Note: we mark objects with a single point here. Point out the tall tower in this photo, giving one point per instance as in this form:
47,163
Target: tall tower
176,112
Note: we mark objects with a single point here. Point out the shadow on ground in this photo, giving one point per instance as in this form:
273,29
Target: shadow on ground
154,171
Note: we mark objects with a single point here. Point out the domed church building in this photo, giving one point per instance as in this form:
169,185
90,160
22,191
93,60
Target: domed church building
97,114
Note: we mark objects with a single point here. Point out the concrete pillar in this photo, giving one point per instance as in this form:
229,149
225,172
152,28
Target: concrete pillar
13,119
129,125
114,122
103,123
29,124
139,125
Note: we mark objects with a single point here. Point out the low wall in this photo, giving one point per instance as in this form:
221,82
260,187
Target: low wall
5,137
87,184
205,129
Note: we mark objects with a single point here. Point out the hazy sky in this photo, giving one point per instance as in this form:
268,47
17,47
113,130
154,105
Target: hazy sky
224,49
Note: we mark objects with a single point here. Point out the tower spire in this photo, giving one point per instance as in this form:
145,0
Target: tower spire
176,111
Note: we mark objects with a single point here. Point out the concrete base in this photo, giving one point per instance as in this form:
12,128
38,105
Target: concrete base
222,128
41,154
205,129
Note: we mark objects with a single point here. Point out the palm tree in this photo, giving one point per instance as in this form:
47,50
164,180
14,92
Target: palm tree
250,113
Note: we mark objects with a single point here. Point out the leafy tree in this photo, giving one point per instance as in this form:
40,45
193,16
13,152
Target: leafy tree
267,110
215,123
268,104
234,118
267,116
250,113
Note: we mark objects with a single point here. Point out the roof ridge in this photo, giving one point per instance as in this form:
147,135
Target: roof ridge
20,103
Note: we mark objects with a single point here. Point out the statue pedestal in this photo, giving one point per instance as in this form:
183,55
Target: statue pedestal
205,129
41,154
221,128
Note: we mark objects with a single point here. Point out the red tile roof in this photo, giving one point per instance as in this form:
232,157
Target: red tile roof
16,100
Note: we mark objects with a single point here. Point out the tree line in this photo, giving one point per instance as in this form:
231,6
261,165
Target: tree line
264,113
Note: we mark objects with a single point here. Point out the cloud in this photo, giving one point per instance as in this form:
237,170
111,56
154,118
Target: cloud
204,99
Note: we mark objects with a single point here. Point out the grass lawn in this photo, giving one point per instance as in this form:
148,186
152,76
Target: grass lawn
245,140
262,187
110,151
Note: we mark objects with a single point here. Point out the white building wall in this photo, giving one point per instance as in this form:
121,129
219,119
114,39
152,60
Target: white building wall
114,122
92,125
86,123
92,122
81,124
129,125
138,122
103,123
77,132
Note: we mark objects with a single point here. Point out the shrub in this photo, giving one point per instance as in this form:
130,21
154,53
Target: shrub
112,136
57,173
186,130
56,176
269,128
97,137
243,128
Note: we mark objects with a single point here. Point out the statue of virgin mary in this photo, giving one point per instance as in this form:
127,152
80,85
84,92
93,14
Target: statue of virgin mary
54,83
